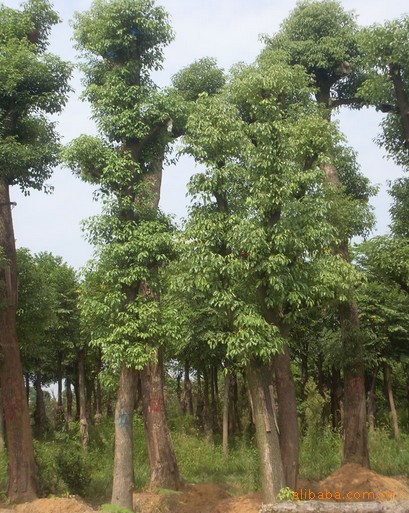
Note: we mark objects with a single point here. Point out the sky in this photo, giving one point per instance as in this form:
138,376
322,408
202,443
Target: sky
228,30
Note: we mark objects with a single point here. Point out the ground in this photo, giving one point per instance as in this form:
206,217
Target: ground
212,498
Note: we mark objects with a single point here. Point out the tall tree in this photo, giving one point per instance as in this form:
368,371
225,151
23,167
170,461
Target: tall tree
258,234
122,41
33,83
322,37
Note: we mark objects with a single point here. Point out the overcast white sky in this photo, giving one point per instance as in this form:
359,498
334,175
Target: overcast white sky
226,29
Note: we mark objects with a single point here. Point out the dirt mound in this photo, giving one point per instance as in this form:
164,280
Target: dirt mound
200,498
355,483
54,505
246,504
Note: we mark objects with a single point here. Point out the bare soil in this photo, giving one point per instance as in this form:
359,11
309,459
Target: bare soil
212,498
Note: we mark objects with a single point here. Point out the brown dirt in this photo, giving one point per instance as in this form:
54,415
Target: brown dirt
53,505
362,481
200,498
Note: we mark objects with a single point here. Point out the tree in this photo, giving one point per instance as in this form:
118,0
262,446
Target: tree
122,41
258,237
33,83
384,50
322,37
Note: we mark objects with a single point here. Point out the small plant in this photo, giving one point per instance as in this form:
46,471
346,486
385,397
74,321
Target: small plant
285,494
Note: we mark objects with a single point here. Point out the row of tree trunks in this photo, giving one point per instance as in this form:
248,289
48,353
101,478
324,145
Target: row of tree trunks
22,475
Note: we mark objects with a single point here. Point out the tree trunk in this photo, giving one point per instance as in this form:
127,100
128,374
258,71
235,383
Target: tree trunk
259,378
27,387
123,478
387,376
22,470
335,398
69,399
226,403
40,416
304,371
59,412
214,399
82,399
372,402
207,414
287,417
98,401
162,459
187,398
77,397
2,442
355,448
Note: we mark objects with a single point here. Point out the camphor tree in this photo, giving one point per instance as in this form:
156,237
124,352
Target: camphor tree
322,37
258,238
33,83
122,41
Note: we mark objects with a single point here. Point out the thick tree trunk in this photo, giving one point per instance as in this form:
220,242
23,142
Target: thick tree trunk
355,448
226,404
82,399
259,378
22,471
287,417
123,478
387,376
162,459
372,401
40,416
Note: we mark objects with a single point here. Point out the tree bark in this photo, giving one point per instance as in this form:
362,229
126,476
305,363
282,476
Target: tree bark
372,402
355,449
226,404
22,471
335,398
162,459
69,399
387,376
207,415
82,399
59,412
259,377
187,398
2,442
123,477
40,416
287,416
